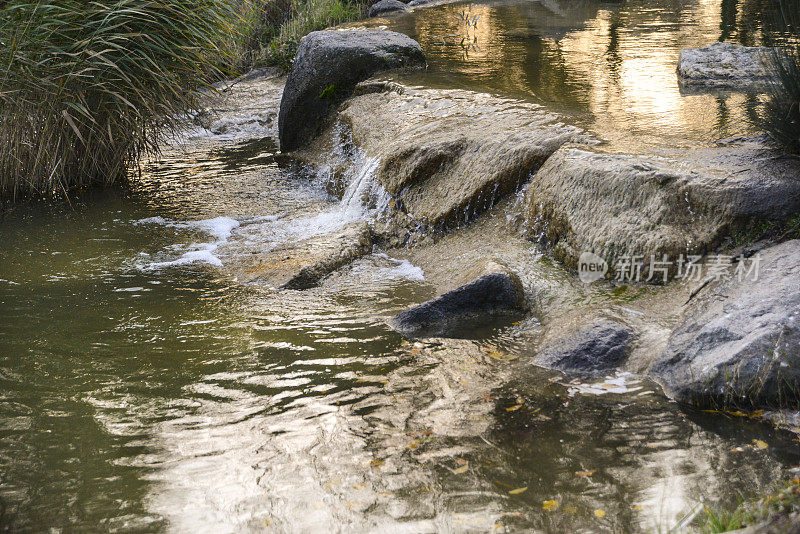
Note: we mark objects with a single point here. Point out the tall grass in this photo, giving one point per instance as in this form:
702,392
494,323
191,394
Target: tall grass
781,115
88,86
277,26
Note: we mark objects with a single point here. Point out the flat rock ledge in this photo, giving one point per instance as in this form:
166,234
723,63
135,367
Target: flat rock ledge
621,205
739,343
495,295
445,156
598,347
328,65
725,65
303,264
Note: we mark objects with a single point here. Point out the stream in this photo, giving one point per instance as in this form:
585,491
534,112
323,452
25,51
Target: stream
145,388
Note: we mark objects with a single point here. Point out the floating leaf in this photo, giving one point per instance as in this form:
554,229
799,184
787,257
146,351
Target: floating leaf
460,470
760,444
600,514
514,408
585,474
376,463
413,445
461,461
550,506
518,491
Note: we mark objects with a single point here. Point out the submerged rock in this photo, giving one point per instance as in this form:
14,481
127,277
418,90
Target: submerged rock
739,343
617,205
496,294
303,264
327,66
724,65
448,155
599,346
386,6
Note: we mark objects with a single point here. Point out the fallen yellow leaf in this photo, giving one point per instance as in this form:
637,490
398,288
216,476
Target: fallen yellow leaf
460,470
376,463
518,491
461,461
600,514
514,408
550,506
584,474
760,444
413,445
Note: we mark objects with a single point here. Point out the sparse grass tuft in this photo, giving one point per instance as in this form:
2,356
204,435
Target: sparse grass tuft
783,501
87,87
781,115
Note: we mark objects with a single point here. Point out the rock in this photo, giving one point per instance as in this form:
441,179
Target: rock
496,294
303,264
386,6
615,205
327,66
600,346
448,155
724,65
419,3
739,343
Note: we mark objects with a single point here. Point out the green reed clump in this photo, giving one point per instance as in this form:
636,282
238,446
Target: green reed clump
87,87
276,26
781,114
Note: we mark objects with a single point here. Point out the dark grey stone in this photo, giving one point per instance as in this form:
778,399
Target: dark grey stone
327,67
386,6
600,346
459,312
739,343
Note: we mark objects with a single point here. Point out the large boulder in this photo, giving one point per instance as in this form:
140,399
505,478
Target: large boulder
386,6
739,343
496,294
448,155
327,66
620,205
724,65
597,347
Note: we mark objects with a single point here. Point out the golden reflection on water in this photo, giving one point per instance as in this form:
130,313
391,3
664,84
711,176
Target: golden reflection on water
608,67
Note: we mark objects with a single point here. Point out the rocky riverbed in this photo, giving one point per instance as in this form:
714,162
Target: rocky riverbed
384,326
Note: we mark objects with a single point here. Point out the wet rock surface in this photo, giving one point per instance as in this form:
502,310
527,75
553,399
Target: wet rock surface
724,65
496,294
449,155
587,200
303,264
600,346
327,67
739,343
386,6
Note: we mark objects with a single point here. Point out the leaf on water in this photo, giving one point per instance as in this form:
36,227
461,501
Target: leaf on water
518,491
638,507
760,444
461,470
514,408
569,509
461,461
413,445
376,463
585,474
550,506
600,514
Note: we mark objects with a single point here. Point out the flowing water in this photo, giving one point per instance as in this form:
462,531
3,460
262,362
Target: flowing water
143,388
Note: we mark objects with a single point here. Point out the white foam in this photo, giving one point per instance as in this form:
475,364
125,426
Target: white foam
220,228
402,269
621,382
